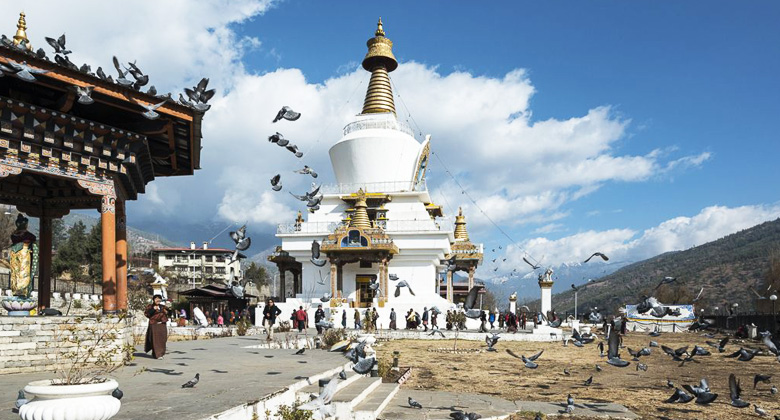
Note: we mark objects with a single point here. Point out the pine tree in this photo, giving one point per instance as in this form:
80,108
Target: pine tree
257,274
94,253
58,233
72,254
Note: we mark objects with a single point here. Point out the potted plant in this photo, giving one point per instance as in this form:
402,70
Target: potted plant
86,351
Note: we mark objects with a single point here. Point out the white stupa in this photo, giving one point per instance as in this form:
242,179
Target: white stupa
377,220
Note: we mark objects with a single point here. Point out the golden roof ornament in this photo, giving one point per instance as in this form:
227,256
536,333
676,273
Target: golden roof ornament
460,226
379,61
360,217
21,33
299,219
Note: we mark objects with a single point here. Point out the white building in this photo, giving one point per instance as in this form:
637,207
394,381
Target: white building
199,265
377,220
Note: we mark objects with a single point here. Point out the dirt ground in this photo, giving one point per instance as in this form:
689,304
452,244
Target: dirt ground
643,393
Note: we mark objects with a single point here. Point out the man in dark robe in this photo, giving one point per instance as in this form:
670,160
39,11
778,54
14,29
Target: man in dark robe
157,331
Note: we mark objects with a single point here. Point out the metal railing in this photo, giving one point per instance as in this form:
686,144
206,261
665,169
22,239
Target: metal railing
375,187
389,226
479,248
387,124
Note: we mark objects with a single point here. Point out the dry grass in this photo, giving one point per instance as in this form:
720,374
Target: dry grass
643,393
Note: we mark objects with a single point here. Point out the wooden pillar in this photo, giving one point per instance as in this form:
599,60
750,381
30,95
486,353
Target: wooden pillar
108,232
340,277
121,257
383,272
44,262
472,269
283,284
333,278
449,286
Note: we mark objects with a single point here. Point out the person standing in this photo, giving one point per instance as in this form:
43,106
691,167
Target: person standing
300,317
425,318
157,331
356,317
524,319
393,319
344,319
318,316
375,318
270,312
448,320
500,321
434,323
492,319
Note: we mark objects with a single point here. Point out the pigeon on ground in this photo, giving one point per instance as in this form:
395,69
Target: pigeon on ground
566,372
413,403
276,182
735,391
462,415
117,393
150,110
141,79
773,390
699,351
744,355
679,396
301,351
598,368
766,338
588,381
21,399
702,392
669,383
306,171
761,378
58,45
192,382
315,255
401,284
287,113
597,254
653,344
320,406
343,375
760,411
279,139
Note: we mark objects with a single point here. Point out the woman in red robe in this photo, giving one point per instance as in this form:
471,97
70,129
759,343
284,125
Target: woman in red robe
157,331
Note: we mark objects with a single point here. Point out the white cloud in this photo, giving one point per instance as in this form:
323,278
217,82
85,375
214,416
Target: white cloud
679,233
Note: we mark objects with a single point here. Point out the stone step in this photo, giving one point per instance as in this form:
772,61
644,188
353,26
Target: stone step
375,402
304,393
346,399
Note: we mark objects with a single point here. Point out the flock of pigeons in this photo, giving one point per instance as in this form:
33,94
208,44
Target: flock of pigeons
197,97
312,198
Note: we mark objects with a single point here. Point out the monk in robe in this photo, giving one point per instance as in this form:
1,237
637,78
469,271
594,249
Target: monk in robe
157,331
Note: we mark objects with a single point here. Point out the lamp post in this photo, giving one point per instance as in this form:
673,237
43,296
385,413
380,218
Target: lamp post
575,301
773,298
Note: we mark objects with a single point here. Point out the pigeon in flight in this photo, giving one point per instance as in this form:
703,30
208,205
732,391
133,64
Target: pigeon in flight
307,171
315,255
761,378
735,391
666,280
192,382
150,110
278,139
58,45
199,95
393,277
364,365
320,406
84,93
435,331
401,284
529,361
242,241
325,297
721,345
294,149
287,113
21,400
491,341
141,79
122,78
744,355
597,254
679,396
696,299
534,266
276,182
414,404
22,70
702,392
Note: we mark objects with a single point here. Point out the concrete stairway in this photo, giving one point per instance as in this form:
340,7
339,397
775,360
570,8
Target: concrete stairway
359,397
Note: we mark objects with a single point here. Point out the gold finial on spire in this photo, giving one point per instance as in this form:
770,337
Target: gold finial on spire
379,61
379,30
21,33
360,218
460,226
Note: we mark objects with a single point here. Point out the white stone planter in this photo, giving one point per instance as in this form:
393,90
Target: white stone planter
76,402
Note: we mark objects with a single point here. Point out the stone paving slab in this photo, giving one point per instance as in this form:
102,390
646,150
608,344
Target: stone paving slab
231,375
437,405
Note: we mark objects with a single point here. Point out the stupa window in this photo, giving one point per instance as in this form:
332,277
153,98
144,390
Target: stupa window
354,239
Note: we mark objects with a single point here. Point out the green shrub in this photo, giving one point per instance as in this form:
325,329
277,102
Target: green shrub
77,304
286,412
242,326
332,336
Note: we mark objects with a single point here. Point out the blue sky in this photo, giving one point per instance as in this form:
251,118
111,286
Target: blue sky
630,127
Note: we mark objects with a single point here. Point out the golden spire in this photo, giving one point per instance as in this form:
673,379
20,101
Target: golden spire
379,61
460,226
299,219
21,34
360,218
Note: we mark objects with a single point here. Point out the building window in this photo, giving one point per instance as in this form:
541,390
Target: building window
220,270
220,259
209,270
169,257
209,258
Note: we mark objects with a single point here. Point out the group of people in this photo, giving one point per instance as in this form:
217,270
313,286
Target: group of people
213,318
